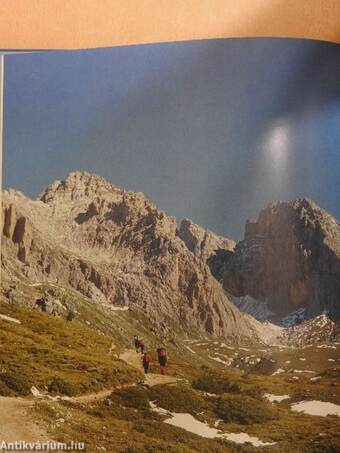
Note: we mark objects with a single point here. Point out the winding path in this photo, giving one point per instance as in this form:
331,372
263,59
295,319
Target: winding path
15,420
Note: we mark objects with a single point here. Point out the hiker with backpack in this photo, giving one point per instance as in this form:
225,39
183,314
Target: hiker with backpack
162,358
146,362
141,345
136,342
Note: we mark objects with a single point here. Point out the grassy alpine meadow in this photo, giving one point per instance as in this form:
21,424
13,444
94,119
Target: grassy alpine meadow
221,384
124,422
55,355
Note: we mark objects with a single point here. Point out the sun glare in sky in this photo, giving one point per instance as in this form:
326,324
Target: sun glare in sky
277,144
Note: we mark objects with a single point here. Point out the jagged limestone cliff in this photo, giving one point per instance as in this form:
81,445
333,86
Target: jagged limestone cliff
289,258
115,247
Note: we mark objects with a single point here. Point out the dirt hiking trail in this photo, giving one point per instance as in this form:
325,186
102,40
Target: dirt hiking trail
15,421
133,358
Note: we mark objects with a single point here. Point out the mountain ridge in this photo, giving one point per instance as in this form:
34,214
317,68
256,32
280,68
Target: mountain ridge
114,246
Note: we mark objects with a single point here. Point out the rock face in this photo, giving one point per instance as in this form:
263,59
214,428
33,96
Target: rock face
290,259
320,329
115,247
206,245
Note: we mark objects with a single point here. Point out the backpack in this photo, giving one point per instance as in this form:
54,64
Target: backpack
146,358
161,352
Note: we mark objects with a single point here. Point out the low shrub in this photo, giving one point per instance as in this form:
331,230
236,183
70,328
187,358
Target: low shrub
265,366
178,398
132,397
244,410
213,383
331,373
4,390
327,444
61,387
15,383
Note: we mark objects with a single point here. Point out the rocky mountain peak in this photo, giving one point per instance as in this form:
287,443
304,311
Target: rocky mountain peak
97,212
289,258
308,222
206,245
115,246
77,185
202,242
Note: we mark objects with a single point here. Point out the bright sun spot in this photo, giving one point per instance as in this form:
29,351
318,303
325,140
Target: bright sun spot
277,144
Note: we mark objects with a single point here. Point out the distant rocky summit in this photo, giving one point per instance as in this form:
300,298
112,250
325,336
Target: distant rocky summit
206,245
289,261
116,247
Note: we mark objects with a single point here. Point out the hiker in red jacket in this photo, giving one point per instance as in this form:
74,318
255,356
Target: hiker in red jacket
146,362
162,358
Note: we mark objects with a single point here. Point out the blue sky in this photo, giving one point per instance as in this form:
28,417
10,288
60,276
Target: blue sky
210,130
